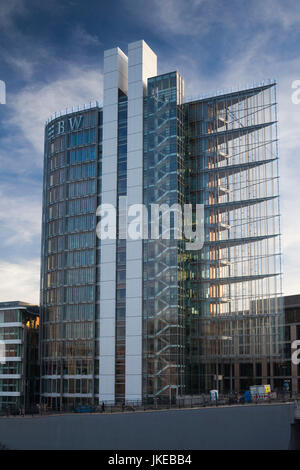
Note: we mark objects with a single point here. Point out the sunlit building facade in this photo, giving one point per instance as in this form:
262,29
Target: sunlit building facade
132,320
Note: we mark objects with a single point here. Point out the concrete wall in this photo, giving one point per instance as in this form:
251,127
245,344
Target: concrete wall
240,427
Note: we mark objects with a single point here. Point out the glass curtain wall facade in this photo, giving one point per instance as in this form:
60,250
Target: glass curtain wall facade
72,178
233,285
121,254
163,292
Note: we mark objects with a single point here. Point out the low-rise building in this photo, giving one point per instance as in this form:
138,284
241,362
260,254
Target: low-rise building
288,371
282,373
19,367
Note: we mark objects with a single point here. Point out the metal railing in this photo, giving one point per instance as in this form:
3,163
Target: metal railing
188,402
74,109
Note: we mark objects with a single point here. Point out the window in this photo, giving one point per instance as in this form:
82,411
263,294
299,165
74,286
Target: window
10,333
86,154
10,316
82,172
81,189
80,294
81,206
78,224
79,241
81,258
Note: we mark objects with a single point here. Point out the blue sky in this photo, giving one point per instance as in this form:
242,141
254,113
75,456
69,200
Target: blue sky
51,57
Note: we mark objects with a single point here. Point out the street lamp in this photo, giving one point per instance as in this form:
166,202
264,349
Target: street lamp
222,338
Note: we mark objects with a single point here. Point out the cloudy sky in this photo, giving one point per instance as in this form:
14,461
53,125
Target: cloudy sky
51,57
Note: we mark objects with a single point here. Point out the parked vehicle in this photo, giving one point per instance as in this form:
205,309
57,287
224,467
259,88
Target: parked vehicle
83,409
260,392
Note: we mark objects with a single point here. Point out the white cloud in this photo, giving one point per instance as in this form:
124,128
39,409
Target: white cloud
34,104
180,17
9,10
188,17
20,281
20,64
20,216
84,38
285,14
196,18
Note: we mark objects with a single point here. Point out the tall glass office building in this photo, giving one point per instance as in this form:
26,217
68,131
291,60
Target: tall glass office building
72,178
129,319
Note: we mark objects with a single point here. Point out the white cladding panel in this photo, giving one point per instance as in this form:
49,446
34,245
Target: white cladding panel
115,77
141,66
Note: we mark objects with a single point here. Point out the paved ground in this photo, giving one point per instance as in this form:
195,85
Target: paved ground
228,427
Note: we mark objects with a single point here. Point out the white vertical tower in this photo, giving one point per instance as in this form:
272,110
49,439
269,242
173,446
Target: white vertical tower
115,78
142,64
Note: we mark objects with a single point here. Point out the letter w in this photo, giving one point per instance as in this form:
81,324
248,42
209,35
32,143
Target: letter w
75,122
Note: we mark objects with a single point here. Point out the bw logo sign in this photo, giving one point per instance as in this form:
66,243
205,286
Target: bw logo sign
2,92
